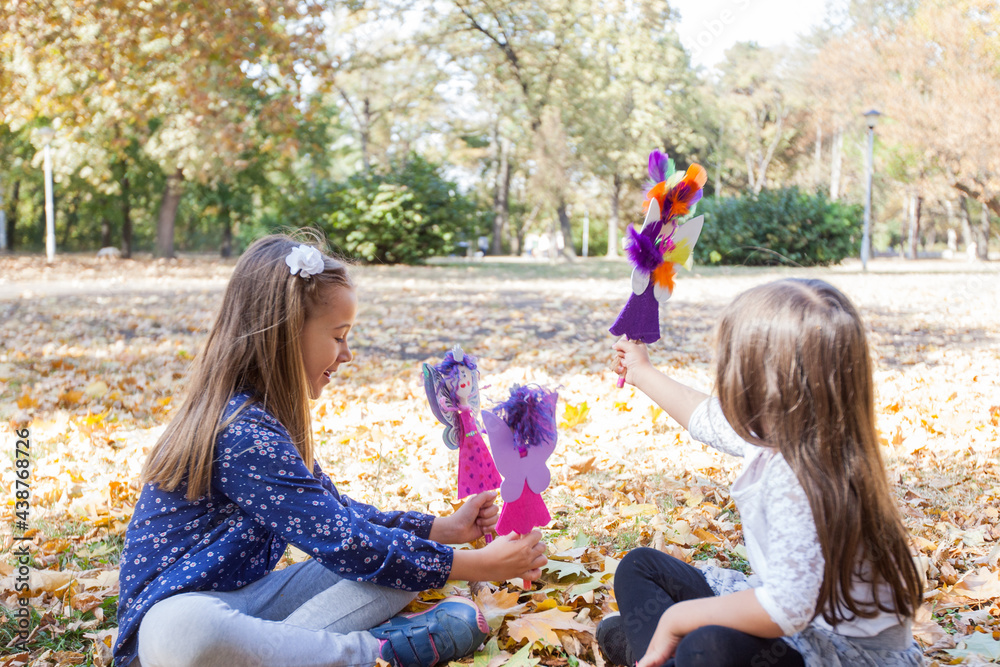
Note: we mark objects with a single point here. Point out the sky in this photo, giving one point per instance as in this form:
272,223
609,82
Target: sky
709,27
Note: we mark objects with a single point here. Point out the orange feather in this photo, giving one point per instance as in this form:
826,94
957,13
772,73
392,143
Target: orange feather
657,192
664,274
697,175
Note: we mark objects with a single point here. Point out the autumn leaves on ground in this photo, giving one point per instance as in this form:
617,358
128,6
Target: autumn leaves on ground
93,358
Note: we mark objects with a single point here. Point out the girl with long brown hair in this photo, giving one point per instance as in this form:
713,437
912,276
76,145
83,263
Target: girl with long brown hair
834,582
233,480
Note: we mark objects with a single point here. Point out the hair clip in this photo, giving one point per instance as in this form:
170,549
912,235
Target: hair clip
305,260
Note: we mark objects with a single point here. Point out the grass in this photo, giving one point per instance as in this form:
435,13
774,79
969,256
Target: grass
732,559
60,547
56,638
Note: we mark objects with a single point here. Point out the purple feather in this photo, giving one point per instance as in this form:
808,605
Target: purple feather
642,251
657,166
530,412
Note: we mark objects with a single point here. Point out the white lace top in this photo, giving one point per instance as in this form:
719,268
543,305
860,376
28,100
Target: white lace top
779,531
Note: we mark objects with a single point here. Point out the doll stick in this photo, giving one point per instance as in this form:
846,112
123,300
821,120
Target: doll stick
621,378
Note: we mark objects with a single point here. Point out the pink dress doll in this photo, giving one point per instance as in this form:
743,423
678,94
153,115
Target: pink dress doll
453,391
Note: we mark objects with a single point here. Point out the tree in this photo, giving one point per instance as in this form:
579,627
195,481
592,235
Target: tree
943,86
386,79
190,84
528,41
758,107
632,90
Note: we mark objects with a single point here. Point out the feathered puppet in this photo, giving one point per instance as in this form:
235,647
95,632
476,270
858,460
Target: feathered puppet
453,392
522,434
660,246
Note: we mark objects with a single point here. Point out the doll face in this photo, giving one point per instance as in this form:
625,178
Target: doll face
463,384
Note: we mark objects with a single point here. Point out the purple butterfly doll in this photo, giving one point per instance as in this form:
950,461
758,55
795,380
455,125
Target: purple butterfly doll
522,434
453,391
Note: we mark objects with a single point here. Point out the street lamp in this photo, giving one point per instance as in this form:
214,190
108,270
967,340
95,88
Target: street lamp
46,133
871,118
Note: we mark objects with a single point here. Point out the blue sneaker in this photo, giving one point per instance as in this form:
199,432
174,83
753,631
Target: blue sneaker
450,630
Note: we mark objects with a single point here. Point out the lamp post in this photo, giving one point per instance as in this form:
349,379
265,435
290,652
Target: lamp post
46,134
871,118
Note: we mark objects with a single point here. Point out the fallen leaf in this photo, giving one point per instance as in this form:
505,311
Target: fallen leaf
562,569
574,415
584,466
498,605
523,658
641,509
981,584
541,627
977,644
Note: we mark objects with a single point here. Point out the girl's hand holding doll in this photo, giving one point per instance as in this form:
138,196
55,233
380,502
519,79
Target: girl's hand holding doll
474,519
509,556
631,361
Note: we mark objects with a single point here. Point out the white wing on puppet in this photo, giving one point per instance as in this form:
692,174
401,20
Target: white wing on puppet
640,281
684,238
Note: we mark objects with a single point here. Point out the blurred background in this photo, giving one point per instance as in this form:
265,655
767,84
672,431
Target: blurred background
407,129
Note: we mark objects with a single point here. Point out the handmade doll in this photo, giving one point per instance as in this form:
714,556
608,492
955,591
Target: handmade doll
660,246
522,434
453,392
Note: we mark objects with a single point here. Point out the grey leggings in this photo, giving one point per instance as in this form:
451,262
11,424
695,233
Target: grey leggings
302,616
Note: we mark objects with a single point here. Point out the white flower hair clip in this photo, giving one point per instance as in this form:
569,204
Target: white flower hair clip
305,261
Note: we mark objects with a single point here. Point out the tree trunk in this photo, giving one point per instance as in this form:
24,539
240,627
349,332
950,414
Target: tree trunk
226,249
562,211
967,237
72,216
836,157
916,204
951,232
818,157
3,220
15,199
983,244
366,129
168,215
126,217
501,197
105,231
718,161
761,165
106,224
614,221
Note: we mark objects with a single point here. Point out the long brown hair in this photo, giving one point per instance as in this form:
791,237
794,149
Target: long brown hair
253,345
794,373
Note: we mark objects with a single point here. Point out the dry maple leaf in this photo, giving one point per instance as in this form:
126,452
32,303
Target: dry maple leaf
981,584
498,605
541,627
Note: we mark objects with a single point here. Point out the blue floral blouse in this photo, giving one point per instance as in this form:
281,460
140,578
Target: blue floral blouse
263,497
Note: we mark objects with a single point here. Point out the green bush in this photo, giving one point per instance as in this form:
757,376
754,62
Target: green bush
400,217
778,227
405,216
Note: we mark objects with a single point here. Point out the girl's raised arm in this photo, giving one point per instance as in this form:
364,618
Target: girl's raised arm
676,399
